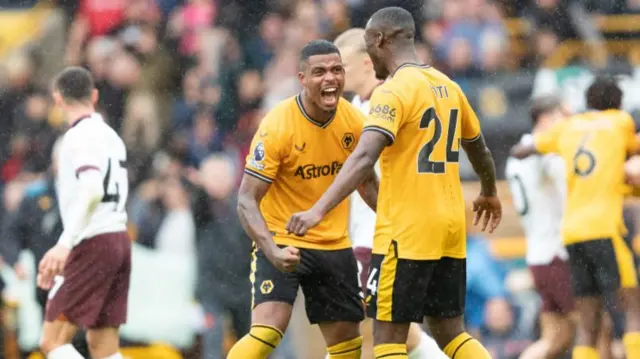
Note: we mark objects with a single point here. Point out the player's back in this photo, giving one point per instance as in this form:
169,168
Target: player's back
594,146
538,189
93,144
421,203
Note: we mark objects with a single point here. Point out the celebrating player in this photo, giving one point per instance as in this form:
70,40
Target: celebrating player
361,79
419,117
594,146
538,187
296,153
87,272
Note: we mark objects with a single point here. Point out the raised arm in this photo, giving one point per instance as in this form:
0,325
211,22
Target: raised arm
521,150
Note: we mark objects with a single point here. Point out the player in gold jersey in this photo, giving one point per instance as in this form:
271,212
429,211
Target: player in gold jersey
299,148
420,118
595,145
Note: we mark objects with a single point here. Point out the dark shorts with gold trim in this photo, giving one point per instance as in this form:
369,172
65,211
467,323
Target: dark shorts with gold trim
406,290
601,266
329,281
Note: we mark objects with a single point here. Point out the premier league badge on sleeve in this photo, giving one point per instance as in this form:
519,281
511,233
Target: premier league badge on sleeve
258,156
258,152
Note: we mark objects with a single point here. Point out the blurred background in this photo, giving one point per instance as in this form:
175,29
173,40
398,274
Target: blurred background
186,82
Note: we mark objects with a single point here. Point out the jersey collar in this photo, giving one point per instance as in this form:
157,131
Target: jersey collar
82,118
306,115
410,64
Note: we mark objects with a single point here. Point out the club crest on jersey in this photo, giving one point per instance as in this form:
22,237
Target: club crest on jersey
348,140
266,286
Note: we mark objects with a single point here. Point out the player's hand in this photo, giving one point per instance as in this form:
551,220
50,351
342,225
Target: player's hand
52,264
489,209
286,259
301,222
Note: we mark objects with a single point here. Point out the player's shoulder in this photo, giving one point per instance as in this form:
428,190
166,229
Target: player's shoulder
278,118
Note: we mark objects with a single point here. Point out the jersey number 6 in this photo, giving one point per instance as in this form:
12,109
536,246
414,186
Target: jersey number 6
425,164
114,178
584,161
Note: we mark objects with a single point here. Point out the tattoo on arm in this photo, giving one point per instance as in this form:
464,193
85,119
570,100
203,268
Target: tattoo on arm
482,162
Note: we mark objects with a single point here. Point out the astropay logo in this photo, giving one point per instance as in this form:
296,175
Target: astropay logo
311,171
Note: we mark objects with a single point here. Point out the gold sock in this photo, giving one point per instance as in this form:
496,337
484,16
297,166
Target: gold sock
258,344
632,345
350,349
585,352
390,351
465,347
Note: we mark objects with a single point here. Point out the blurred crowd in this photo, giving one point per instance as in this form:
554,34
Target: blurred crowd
185,82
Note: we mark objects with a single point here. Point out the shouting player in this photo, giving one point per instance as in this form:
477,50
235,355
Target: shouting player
296,153
87,272
594,146
361,79
419,118
538,187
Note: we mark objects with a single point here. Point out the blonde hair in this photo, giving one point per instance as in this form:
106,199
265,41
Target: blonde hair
352,39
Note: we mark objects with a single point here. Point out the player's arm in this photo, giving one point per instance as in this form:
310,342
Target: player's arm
483,165
89,191
357,168
487,205
543,142
368,190
260,171
379,131
251,192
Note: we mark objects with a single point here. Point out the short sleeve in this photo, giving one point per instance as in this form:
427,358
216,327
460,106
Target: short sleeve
470,130
264,157
385,113
547,141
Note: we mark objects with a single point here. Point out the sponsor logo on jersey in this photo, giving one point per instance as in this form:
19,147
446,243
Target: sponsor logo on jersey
383,112
311,171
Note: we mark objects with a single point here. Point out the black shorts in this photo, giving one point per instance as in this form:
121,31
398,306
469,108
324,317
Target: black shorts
329,281
406,290
601,266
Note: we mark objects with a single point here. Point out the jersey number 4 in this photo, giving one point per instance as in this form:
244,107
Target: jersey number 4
115,177
425,164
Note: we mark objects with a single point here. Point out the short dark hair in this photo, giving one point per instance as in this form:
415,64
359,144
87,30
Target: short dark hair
74,84
604,94
394,21
317,47
542,105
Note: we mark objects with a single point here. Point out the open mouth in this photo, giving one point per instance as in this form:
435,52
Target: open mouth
330,96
